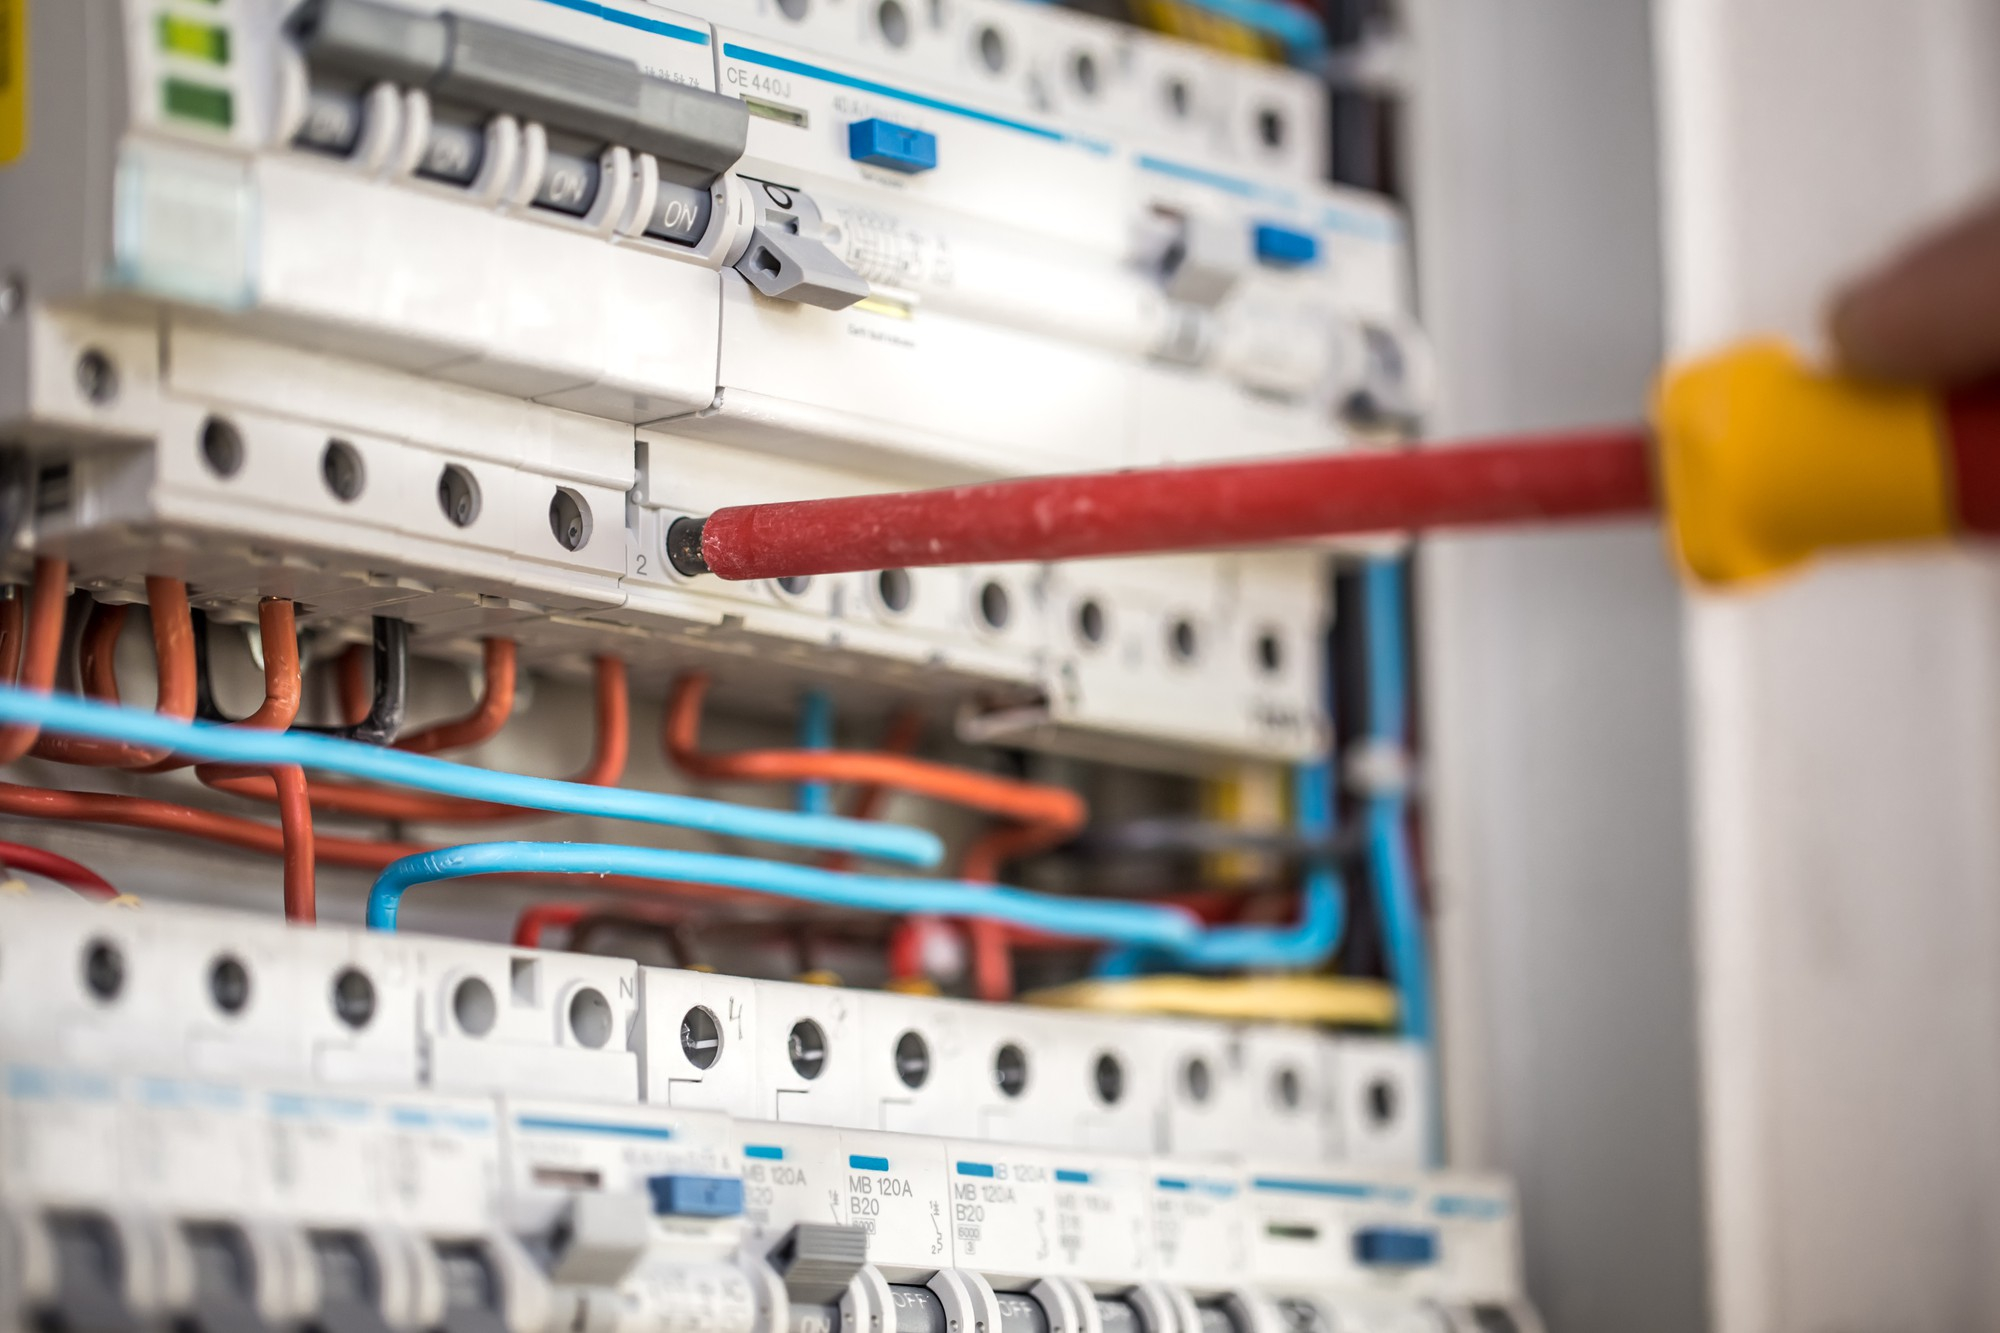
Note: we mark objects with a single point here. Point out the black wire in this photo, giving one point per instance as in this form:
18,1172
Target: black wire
204,685
392,685
1195,837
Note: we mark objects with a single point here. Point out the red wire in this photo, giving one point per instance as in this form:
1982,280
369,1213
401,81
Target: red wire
36,663
68,873
283,681
293,839
495,706
351,681
173,649
606,767
538,917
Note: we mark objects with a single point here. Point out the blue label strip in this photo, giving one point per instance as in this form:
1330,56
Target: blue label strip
982,1169
864,1163
1066,1177
1478,1210
764,1152
658,27
1335,1189
593,1127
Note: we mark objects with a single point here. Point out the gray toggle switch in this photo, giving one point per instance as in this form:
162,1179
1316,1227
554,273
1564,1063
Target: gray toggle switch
694,134
816,1261
225,1281
90,1277
787,261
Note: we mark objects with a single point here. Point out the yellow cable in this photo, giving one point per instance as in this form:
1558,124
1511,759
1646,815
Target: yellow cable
1346,1001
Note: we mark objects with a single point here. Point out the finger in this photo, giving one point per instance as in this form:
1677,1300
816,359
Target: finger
1930,314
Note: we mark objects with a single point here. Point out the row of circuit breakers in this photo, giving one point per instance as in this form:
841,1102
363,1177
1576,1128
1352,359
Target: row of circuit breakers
445,311
216,1122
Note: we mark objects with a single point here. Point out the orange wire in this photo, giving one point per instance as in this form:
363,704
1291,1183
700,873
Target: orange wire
293,840
905,730
496,704
97,659
173,646
351,679
143,812
606,767
1022,802
284,687
284,684
36,661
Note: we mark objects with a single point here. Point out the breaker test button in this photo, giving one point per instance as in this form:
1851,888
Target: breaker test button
884,143
1284,247
696,1196
1395,1247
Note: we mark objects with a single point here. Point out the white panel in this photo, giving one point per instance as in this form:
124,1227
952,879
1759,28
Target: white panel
1844,730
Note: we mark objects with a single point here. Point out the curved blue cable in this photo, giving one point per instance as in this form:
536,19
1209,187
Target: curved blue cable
1388,845
1308,943
1084,918
816,733
1394,870
233,745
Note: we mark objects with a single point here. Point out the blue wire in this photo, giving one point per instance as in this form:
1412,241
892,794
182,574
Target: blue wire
1083,918
1387,823
1145,928
816,733
1322,906
233,745
1395,889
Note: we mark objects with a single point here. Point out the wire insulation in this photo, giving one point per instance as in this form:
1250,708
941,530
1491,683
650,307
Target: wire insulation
891,842
1021,801
173,652
495,706
33,656
1139,923
72,875
612,714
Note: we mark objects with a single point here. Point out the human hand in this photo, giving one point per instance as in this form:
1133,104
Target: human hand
1931,313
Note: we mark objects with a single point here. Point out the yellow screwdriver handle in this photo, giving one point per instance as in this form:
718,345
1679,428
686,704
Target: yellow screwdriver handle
1765,461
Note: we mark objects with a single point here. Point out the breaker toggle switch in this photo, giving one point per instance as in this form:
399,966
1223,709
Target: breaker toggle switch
1199,259
1395,1247
787,261
1283,247
817,1260
893,147
90,1271
697,1196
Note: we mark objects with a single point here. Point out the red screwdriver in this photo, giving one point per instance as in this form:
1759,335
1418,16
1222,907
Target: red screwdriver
1755,461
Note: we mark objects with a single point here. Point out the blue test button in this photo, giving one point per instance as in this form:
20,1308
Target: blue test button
1395,1247
1283,247
884,143
696,1196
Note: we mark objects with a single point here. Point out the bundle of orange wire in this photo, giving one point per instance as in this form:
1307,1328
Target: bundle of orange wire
30,651
1035,816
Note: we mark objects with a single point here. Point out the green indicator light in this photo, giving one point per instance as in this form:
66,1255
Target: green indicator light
194,39
199,102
